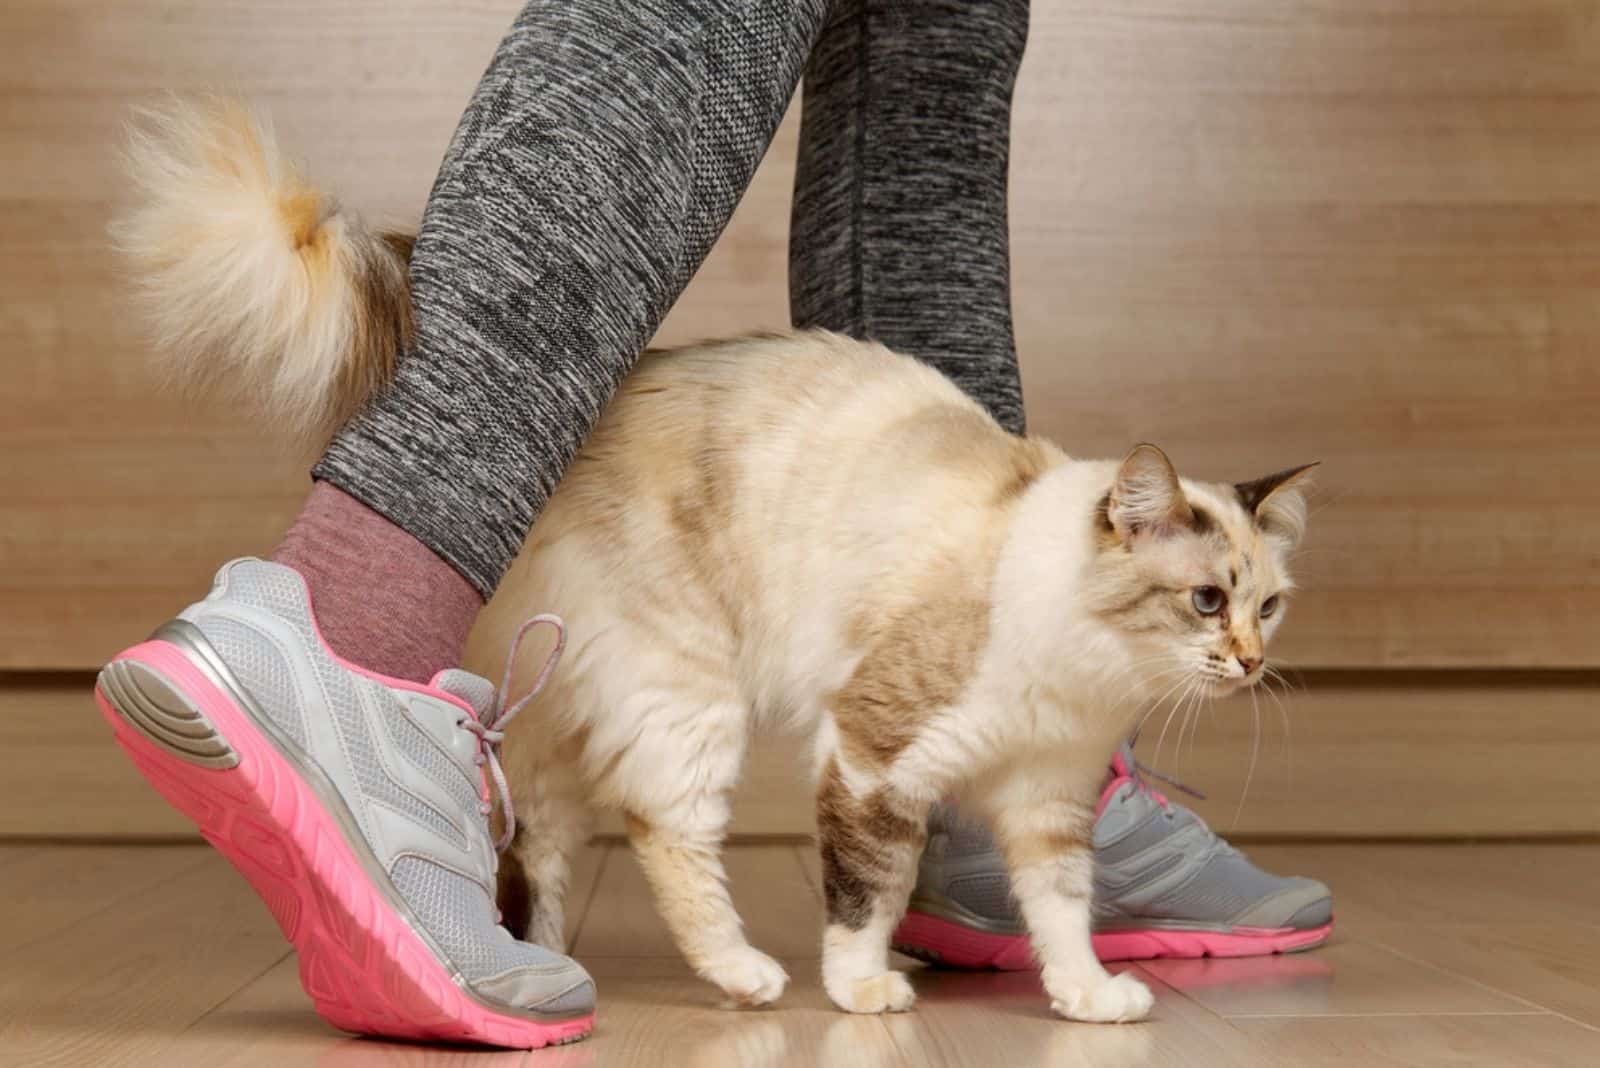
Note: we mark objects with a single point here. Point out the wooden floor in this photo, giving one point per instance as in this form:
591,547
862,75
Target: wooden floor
1444,954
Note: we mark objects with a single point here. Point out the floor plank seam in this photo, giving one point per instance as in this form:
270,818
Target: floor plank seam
288,952
198,861
798,853
588,902
1391,950
1574,1020
1152,979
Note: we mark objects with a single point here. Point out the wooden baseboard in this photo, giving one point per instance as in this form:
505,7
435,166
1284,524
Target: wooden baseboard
1420,754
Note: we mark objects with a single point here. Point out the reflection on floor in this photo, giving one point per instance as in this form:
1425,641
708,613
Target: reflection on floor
1443,954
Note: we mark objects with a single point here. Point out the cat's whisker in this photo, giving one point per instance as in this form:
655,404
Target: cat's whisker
1161,739
1283,715
1170,694
1273,673
1156,705
1138,727
1132,666
1186,708
1179,669
1154,677
1160,658
1255,749
1200,702
1143,678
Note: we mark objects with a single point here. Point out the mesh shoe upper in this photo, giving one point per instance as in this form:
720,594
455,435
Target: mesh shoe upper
406,771
1157,864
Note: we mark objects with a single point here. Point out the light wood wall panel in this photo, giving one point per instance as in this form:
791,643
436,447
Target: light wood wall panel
1255,231
1384,755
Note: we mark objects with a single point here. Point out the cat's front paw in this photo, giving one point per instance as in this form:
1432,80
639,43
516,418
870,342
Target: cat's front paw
884,992
748,976
1114,999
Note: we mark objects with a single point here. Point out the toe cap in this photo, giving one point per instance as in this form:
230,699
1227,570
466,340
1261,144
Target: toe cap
1303,904
563,992
1318,913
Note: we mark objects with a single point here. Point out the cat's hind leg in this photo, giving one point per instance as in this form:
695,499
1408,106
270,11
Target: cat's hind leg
553,823
677,829
870,835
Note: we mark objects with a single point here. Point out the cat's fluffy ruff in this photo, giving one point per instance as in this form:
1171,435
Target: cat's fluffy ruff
819,533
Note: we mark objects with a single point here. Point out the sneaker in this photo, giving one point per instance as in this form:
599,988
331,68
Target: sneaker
355,805
1164,886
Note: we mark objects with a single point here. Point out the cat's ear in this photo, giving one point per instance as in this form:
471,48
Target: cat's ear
1146,498
1278,501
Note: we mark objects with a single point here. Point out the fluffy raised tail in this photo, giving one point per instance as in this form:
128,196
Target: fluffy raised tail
253,280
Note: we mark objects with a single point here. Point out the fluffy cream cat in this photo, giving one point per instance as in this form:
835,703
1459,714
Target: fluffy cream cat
804,529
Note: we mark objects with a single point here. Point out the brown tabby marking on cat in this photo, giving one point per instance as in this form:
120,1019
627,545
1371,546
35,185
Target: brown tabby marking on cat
914,666
853,834
1047,845
1031,461
1202,521
919,661
1283,515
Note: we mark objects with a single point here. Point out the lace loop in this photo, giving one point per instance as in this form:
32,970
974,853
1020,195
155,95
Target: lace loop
492,733
1141,770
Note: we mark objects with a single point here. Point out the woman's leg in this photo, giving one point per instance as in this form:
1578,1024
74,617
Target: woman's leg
596,164
899,235
899,226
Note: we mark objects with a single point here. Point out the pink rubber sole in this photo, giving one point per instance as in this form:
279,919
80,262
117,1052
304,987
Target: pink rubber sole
365,969
948,943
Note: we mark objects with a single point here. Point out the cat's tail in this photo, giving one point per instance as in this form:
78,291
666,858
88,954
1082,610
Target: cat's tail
251,278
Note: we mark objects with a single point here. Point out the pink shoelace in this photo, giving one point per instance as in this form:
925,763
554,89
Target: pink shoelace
493,732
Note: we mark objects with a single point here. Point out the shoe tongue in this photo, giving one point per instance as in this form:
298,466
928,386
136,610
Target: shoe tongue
1122,765
473,689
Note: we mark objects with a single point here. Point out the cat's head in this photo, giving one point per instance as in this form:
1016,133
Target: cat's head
1195,575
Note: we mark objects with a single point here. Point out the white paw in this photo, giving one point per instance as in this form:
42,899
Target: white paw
1117,999
885,992
748,976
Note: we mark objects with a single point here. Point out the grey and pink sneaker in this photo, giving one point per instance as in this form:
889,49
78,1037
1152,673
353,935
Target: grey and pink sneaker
1164,886
355,804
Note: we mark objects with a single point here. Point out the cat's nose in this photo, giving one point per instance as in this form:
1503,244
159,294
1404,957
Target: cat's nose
1249,663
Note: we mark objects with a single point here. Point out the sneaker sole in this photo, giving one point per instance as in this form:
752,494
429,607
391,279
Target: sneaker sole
363,965
941,941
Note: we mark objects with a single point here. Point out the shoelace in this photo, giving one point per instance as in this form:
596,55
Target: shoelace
1140,770
493,732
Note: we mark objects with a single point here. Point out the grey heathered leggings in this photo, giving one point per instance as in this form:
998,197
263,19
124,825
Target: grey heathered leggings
596,164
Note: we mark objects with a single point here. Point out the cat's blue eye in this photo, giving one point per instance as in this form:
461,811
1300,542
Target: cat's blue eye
1208,600
1269,606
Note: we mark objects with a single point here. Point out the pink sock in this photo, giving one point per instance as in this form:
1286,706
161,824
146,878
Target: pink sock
383,599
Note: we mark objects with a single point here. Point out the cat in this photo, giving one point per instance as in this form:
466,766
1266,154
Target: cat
798,529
